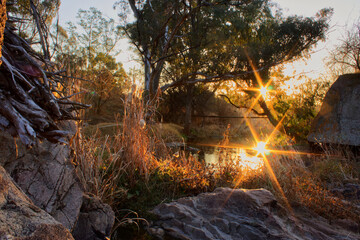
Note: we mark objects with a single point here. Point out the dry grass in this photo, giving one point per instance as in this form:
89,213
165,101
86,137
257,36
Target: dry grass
168,132
306,185
103,161
133,169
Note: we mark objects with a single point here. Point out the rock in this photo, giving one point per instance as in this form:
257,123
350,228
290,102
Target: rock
20,219
240,214
95,220
338,121
46,175
349,191
348,224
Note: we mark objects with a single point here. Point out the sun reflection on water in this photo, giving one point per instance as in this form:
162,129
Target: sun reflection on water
247,158
249,162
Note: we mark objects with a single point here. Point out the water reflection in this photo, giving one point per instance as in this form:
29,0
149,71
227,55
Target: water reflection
245,157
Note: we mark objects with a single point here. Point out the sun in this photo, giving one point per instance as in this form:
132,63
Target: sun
263,90
261,148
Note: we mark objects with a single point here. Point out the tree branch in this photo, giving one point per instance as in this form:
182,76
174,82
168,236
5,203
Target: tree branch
237,106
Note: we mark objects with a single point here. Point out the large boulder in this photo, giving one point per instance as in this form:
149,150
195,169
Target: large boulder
95,220
46,175
20,219
338,121
240,214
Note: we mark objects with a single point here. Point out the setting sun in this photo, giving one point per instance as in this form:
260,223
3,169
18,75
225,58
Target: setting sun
263,90
261,148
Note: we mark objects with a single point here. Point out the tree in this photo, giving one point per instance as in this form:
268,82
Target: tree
212,41
346,56
157,23
107,80
36,18
300,108
87,50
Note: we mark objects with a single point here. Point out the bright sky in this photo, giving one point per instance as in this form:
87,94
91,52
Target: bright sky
346,13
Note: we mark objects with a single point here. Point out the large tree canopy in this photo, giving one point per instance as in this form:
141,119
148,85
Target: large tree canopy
213,40
187,42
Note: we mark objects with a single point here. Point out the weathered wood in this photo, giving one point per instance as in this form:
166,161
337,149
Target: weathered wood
28,108
22,125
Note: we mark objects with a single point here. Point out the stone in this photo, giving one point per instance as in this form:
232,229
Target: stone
240,214
349,191
46,175
338,121
95,220
20,219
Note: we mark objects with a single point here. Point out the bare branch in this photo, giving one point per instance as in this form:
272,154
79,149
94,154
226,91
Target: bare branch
244,107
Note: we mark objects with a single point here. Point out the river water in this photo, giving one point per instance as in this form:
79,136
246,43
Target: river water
212,154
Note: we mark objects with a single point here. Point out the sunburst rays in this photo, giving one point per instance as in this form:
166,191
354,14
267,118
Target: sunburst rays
261,145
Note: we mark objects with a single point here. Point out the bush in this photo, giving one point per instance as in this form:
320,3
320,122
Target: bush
300,108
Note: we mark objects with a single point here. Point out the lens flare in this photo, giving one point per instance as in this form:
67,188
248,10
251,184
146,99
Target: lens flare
261,148
248,162
263,90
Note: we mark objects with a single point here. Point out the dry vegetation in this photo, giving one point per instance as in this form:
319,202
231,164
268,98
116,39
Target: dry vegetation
132,169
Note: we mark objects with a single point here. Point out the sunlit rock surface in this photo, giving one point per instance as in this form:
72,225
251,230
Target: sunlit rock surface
338,121
21,219
240,214
46,176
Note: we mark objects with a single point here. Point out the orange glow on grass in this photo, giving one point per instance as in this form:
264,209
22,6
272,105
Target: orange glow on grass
261,145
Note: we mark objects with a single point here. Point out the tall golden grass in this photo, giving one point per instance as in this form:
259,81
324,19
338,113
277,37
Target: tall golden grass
113,167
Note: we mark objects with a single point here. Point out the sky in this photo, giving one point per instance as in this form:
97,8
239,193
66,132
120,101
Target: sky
346,13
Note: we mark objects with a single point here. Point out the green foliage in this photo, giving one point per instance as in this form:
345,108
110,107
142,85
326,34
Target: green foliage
88,50
301,107
215,41
216,37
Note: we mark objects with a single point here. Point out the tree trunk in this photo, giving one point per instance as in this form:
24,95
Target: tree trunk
3,19
273,120
188,111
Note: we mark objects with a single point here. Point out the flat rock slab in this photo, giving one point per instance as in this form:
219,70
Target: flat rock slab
338,121
228,214
20,219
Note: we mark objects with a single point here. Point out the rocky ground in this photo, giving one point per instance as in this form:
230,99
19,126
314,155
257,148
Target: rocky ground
244,214
44,188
